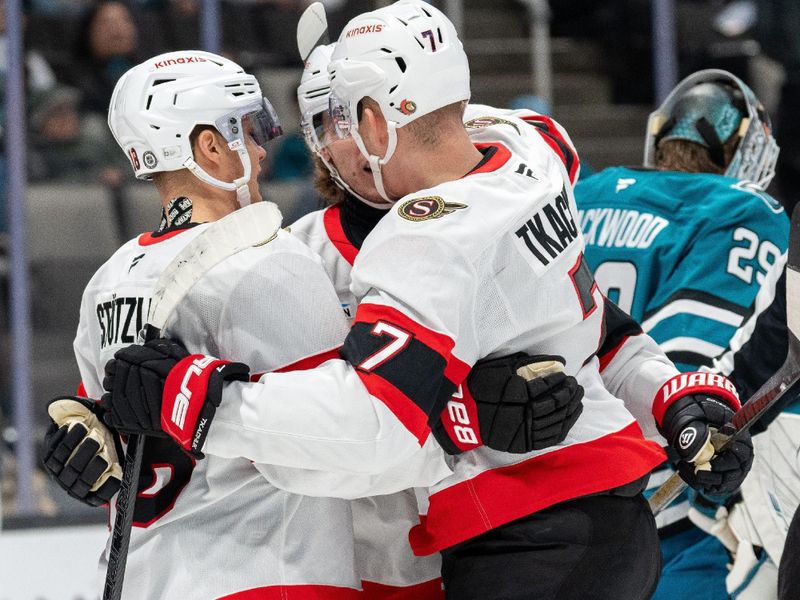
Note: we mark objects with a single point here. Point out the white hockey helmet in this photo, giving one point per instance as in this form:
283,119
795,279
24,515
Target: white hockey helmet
157,104
408,58
709,108
313,96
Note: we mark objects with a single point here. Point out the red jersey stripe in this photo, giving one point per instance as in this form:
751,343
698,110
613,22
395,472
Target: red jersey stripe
296,592
311,362
404,408
148,239
557,142
429,590
501,156
501,495
332,221
81,391
606,359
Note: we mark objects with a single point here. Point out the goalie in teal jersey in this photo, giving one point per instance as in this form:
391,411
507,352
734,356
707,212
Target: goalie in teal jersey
683,244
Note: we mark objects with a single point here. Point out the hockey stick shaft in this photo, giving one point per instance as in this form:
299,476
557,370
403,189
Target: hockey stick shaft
251,226
123,522
769,393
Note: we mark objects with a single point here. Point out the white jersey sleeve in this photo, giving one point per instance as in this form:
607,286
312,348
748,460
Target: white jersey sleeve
426,464
285,422
369,413
633,367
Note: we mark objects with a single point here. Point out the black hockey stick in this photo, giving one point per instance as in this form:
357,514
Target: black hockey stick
253,225
768,394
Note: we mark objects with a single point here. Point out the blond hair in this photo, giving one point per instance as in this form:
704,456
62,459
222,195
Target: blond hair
325,185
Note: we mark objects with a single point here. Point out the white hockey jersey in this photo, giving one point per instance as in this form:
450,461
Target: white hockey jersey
238,533
384,560
483,266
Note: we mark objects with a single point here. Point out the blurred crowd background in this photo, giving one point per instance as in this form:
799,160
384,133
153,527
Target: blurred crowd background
82,202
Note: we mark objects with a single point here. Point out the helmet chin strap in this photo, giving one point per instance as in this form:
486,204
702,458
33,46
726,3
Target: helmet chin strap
341,183
239,185
376,162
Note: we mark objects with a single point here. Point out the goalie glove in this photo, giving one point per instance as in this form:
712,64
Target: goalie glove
688,409
515,404
80,453
159,389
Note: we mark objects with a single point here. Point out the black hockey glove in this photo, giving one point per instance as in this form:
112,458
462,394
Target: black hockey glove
80,453
159,389
688,409
520,403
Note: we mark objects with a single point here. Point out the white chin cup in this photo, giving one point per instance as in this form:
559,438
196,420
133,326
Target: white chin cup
240,185
375,162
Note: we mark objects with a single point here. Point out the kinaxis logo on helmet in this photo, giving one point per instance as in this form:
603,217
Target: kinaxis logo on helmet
182,60
364,29
430,207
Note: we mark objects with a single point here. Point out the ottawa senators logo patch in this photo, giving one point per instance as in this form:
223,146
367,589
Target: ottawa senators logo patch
408,107
482,122
429,207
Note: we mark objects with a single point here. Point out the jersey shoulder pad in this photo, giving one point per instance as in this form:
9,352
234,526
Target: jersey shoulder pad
720,201
307,225
748,191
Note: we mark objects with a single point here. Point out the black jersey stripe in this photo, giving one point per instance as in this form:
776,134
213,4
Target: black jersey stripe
702,297
417,371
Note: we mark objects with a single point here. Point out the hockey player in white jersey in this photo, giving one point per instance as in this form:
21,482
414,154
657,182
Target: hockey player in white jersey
265,541
469,295
76,458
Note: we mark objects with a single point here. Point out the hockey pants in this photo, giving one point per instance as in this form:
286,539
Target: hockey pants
602,547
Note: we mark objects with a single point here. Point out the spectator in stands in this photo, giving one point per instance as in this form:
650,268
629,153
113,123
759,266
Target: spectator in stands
107,47
39,75
65,147
39,78
778,24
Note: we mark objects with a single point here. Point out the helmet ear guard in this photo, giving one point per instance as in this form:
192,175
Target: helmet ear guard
710,108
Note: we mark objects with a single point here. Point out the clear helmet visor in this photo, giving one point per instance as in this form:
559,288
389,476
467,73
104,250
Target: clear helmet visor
341,117
258,121
317,130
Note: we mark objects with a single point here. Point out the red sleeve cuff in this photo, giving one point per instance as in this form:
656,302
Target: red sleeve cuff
685,384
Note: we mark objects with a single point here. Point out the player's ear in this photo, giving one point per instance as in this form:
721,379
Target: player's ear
372,128
209,150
